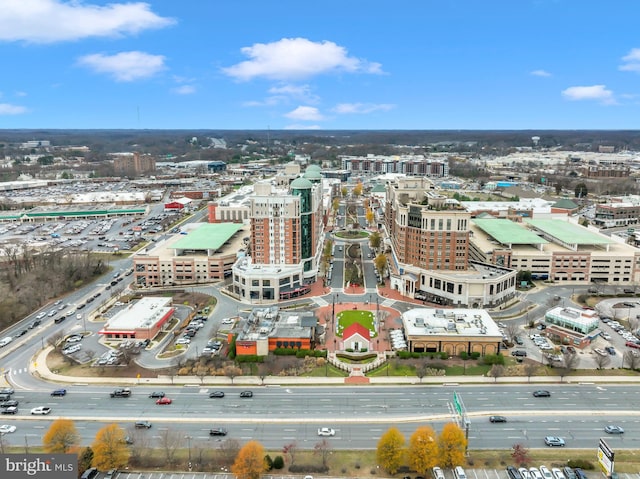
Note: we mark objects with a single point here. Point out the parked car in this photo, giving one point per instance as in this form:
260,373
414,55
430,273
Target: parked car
580,474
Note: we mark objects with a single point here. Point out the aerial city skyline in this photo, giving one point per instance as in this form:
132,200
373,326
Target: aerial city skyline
538,64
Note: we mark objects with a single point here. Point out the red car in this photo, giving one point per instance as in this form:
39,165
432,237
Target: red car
163,401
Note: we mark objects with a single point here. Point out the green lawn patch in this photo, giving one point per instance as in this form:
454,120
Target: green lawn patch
347,318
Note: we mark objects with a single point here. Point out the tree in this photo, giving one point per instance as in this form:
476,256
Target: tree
85,459
375,240
170,441
632,359
231,371
61,438
357,190
453,446
581,190
323,449
511,330
423,452
369,216
601,361
520,455
569,363
530,369
290,450
390,450
496,371
381,264
109,448
250,463
344,191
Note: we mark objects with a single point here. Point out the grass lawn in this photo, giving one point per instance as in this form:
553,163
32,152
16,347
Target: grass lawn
347,318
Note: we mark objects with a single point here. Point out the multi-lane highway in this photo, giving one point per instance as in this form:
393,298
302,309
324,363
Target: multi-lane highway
275,415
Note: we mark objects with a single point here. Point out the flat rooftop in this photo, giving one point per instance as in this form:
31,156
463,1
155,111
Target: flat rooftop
207,236
450,322
568,233
508,232
141,314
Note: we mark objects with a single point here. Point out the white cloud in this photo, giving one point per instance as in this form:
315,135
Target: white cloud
361,108
295,58
540,73
8,109
125,66
305,113
632,61
185,90
302,127
594,92
50,21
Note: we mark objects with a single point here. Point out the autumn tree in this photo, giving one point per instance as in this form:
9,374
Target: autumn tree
85,459
357,190
423,453
291,451
520,455
375,240
453,445
381,263
369,216
61,437
109,448
390,450
250,463
344,191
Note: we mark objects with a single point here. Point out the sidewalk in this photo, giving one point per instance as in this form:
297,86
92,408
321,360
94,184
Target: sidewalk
40,369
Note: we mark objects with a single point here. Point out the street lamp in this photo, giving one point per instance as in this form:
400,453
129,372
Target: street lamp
188,438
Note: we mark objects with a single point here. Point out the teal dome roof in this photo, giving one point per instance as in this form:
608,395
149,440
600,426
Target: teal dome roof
301,183
312,175
313,168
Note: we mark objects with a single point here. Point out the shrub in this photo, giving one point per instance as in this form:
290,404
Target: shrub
268,461
581,463
491,359
464,355
302,468
444,355
404,354
475,355
250,358
278,462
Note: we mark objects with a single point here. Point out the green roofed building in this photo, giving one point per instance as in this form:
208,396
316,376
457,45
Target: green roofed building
198,253
556,249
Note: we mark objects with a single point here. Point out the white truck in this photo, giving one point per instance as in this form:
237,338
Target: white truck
5,341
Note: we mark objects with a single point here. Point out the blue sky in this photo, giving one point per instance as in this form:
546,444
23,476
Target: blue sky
334,64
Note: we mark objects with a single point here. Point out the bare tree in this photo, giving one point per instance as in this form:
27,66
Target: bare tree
231,371
569,363
632,359
139,444
511,330
55,340
421,369
601,361
229,450
323,449
170,441
530,368
496,371
291,450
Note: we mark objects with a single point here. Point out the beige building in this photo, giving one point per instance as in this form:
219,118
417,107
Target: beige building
452,331
204,254
554,249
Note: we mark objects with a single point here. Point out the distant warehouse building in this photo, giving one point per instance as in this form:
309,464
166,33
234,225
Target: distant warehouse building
178,204
140,320
452,331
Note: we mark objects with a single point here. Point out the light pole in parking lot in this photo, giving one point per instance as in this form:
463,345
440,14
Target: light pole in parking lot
188,438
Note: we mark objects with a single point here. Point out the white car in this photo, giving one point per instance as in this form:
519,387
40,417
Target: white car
546,473
41,411
557,473
6,429
227,321
183,341
326,431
